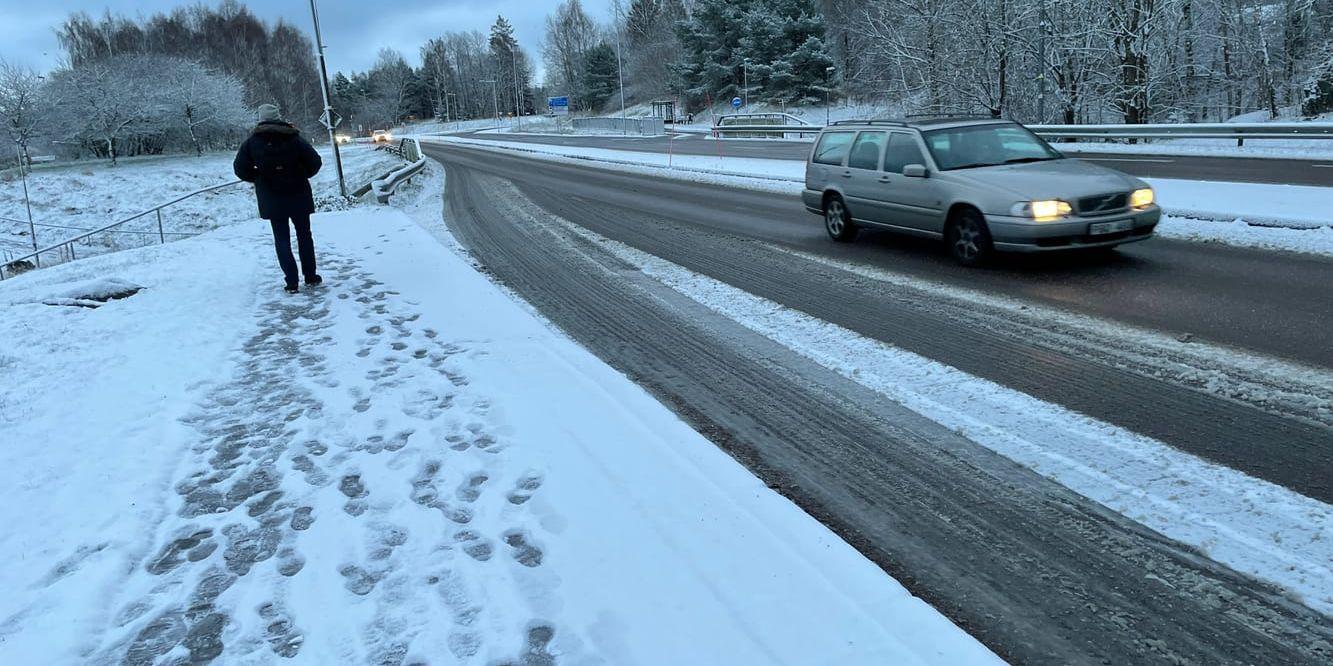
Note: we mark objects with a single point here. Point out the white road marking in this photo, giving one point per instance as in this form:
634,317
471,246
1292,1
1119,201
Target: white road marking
1322,166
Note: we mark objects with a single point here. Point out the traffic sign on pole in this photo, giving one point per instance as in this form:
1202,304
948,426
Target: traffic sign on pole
558,106
324,119
736,102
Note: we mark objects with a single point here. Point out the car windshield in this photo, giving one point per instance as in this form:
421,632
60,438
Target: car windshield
986,145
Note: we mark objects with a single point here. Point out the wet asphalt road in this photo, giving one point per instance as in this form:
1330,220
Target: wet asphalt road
1037,573
1241,170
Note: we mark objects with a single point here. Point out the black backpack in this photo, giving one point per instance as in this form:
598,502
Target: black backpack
275,159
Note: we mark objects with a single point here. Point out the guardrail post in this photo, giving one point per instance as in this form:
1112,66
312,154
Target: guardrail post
161,237
71,252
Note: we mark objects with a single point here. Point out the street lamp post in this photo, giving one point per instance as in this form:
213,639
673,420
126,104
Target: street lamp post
1041,57
620,71
828,76
518,99
327,118
745,81
495,98
23,176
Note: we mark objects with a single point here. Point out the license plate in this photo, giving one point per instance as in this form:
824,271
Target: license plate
1110,227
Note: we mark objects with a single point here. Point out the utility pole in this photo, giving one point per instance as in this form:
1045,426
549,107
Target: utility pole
1041,65
327,119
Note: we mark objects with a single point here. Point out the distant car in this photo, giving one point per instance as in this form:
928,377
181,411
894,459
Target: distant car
980,185
380,136
343,138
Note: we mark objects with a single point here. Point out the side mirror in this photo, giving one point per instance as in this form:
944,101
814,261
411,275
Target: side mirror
916,171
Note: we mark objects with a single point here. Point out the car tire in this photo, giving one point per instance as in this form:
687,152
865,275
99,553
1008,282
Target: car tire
968,239
837,221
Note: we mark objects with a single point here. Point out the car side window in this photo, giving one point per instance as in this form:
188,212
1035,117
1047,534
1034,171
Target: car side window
866,150
902,152
833,148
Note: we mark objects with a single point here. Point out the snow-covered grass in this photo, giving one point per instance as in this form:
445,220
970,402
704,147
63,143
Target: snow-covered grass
440,127
71,197
380,467
1254,526
1280,217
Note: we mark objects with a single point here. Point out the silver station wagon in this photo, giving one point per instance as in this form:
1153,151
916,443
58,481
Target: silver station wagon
981,185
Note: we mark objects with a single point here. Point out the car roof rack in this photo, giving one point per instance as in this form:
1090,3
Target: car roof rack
891,123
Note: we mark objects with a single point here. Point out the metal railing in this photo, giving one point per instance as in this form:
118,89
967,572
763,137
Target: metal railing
762,125
640,126
1231,131
65,249
1238,131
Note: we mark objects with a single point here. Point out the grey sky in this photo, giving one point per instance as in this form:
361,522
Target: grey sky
353,31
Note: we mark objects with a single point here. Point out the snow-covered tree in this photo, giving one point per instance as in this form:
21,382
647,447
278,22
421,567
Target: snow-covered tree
23,104
208,105
570,35
105,102
775,47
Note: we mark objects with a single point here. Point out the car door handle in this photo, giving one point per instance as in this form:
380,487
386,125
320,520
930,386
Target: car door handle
846,174
885,179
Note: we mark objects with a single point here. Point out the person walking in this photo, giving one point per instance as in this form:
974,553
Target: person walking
280,163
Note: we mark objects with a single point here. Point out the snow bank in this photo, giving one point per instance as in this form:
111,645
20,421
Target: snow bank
403,464
1253,526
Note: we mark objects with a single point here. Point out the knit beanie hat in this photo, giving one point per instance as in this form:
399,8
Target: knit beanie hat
269,112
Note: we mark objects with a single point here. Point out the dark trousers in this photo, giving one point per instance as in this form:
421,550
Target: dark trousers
282,241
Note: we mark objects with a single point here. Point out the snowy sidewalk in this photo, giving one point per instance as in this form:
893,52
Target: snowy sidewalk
401,466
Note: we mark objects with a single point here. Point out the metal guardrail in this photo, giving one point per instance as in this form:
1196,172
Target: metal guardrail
408,149
1237,131
762,125
766,131
65,248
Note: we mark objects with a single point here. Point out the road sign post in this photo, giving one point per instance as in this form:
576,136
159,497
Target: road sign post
736,102
558,106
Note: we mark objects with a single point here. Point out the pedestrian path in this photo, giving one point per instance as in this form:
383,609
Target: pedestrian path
405,466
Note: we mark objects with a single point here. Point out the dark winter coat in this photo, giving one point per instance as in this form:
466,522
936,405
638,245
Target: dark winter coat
280,163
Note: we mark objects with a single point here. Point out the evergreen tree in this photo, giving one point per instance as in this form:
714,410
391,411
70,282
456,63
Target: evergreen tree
779,42
599,75
511,63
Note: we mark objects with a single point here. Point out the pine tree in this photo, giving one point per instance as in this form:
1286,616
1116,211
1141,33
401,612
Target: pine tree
599,75
775,46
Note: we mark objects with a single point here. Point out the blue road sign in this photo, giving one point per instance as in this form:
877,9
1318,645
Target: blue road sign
735,102
558,105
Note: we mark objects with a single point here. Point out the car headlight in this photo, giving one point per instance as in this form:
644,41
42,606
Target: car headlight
1043,211
1142,198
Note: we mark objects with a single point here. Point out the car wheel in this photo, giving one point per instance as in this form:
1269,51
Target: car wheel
968,238
837,222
